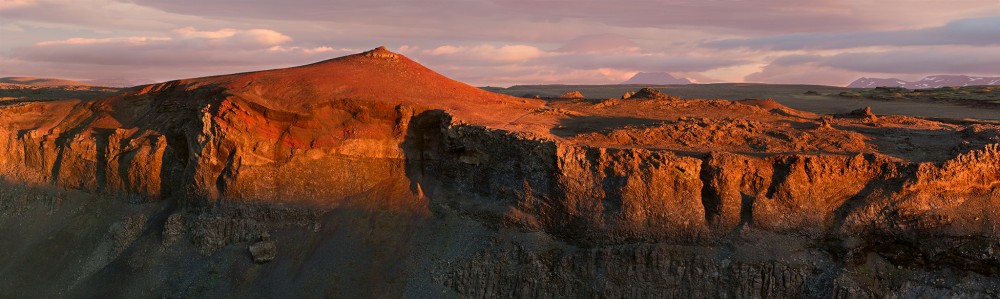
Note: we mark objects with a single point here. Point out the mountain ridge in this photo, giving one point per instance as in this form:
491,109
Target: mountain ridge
41,82
656,78
935,81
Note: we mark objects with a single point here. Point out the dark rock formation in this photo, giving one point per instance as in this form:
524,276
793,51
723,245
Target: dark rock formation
264,250
648,93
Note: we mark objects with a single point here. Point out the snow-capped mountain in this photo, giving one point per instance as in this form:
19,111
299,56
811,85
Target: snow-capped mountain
656,79
927,82
876,82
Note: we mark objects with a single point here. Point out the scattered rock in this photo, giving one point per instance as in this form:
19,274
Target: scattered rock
648,93
127,231
865,113
173,229
766,104
264,250
892,89
382,53
608,103
826,122
572,95
849,94
627,95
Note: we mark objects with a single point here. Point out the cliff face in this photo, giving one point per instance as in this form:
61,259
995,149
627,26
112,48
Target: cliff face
634,222
370,175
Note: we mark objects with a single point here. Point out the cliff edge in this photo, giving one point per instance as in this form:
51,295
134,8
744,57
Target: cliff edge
371,175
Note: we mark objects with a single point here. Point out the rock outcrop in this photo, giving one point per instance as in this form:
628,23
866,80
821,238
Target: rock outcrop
263,251
648,93
572,95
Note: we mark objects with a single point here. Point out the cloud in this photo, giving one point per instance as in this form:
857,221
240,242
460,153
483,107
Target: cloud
100,15
9,4
487,53
839,69
184,51
973,32
574,62
600,44
801,69
128,41
770,16
11,28
491,41
919,61
190,51
184,46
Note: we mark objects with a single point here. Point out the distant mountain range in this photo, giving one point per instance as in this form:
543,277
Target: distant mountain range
50,82
40,82
926,82
119,82
656,79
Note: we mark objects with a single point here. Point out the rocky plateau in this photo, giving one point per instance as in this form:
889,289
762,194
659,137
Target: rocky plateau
370,175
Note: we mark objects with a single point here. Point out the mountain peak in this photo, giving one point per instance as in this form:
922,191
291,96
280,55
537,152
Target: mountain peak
377,75
381,53
657,78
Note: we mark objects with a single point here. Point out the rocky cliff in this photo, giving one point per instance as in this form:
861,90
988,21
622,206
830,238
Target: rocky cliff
370,175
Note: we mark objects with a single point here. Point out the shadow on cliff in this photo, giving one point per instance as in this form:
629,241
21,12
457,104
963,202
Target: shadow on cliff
67,243
923,145
422,145
578,125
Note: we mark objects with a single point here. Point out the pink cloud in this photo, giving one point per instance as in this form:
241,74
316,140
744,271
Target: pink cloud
601,43
130,41
505,53
176,53
8,4
591,59
503,41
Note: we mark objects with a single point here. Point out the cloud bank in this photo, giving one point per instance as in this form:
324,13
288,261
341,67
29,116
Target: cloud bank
503,42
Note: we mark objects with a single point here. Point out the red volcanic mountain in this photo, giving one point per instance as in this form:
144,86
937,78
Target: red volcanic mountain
374,75
252,124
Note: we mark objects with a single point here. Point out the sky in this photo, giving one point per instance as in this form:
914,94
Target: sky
508,42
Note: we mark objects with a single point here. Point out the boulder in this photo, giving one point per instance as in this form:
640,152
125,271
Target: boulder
648,93
572,95
865,113
263,251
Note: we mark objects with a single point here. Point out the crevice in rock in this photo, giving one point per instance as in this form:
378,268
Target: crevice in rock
710,197
101,141
746,209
